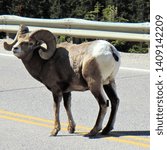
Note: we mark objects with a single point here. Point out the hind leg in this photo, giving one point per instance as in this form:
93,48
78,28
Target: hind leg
111,93
99,95
92,76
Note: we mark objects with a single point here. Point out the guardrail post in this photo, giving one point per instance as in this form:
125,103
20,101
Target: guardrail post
7,35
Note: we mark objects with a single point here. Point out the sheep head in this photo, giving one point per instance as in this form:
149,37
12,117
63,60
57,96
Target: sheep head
25,43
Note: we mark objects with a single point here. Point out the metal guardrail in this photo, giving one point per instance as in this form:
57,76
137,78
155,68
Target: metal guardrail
80,28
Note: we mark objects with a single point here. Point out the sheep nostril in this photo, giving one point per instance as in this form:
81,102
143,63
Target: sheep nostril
15,49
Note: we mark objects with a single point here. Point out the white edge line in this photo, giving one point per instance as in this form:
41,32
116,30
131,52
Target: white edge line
122,68
135,69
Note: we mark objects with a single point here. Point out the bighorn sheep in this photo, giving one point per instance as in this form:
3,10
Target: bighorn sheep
66,67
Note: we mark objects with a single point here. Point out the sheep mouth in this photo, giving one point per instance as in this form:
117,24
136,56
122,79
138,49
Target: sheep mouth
18,54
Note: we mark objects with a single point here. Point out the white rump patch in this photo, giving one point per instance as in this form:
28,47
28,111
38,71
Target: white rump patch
102,52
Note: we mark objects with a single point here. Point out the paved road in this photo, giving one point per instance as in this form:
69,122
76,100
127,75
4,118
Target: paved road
26,112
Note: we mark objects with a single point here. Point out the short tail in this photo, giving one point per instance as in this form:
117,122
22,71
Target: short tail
116,57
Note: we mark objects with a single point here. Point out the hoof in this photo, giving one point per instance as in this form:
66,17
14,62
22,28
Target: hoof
92,133
71,129
105,131
54,132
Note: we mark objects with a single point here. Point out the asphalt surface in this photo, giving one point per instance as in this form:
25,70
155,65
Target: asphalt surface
26,112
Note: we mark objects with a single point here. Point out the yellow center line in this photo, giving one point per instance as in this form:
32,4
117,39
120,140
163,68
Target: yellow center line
37,119
128,142
28,122
32,119
138,138
25,121
25,116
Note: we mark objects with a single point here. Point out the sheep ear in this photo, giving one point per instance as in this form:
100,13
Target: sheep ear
49,39
23,29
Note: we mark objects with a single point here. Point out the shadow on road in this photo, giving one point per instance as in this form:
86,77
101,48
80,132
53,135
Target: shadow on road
112,134
123,133
129,133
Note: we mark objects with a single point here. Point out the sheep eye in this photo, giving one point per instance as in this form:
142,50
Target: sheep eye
24,44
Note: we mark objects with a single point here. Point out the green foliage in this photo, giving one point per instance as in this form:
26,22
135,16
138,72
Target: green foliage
139,48
110,13
131,47
95,14
119,44
108,10
61,38
28,8
2,35
134,10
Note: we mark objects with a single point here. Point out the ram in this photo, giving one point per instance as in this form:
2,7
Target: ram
67,67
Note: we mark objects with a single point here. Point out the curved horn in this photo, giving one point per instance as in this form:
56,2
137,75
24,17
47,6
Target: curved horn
49,39
22,30
8,46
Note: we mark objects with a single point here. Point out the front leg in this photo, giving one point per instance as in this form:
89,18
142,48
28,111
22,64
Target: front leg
56,106
67,105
